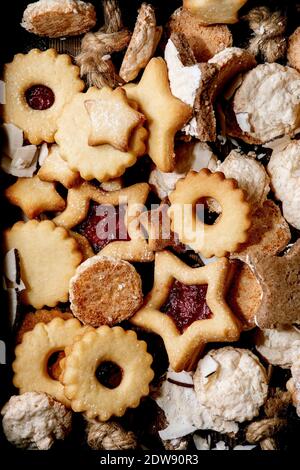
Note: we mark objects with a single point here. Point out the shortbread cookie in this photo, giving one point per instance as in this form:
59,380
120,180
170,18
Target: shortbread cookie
55,168
284,169
280,346
105,291
32,355
267,103
34,421
102,162
112,119
236,389
83,244
187,308
59,18
250,175
230,229
112,347
293,49
244,295
39,316
268,235
35,196
38,86
278,277
144,40
215,11
153,95
205,41
48,260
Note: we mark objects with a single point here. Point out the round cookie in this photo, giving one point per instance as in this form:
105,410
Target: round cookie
38,86
40,316
105,291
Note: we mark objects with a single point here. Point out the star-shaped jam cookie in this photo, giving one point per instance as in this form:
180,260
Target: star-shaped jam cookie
165,114
34,196
187,308
118,209
279,277
112,119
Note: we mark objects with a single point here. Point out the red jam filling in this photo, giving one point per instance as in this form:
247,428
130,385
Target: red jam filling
186,304
104,224
109,374
39,97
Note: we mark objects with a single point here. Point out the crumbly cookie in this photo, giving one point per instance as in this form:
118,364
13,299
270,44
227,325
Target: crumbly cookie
102,162
238,387
39,316
153,95
34,196
55,168
214,11
278,277
99,346
293,49
185,337
267,103
38,86
105,291
48,260
283,169
229,230
280,346
205,41
59,18
30,365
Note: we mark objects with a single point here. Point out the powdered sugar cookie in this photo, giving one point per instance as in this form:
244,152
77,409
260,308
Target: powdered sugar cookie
236,389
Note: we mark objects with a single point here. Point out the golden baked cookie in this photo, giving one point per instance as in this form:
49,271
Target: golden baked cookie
187,308
39,316
38,86
48,260
106,346
105,291
59,18
214,11
56,168
102,162
229,230
32,355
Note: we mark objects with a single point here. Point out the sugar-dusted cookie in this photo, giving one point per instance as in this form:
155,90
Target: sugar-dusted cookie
35,196
105,291
154,97
55,168
48,260
59,18
107,371
215,11
38,86
229,230
187,308
32,355
279,280
102,162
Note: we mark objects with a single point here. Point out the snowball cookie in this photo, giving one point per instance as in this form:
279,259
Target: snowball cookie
34,421
232,383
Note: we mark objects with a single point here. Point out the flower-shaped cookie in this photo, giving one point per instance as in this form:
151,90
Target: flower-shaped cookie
210,317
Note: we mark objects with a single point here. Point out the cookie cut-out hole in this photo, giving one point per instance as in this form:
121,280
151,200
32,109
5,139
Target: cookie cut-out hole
39,97
53,366
109,374
205,210
186,304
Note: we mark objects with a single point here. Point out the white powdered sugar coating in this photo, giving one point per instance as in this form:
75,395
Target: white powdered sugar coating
280,347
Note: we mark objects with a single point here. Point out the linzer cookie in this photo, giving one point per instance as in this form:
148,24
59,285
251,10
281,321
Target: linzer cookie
105,291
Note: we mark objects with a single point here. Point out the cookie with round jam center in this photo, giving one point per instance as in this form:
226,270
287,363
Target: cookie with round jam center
40,97
186,304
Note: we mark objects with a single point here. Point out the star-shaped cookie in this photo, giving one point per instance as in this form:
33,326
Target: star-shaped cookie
279,277
78,202
184,348
55,168
34,196
112,119
165,114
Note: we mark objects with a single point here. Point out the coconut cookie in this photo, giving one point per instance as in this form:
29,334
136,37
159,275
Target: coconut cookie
57,18
280,346
232,383
38,86
48,260
75,128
